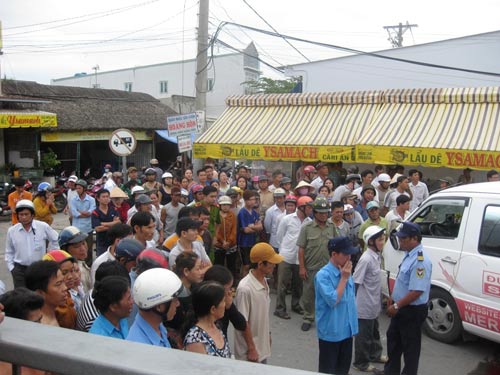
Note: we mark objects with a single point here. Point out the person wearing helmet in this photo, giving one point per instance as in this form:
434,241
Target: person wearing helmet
367,345
309,173
225,245
313,254
288,270
382,187
81,208
266,195
155,293
348,187
72,240
167,179
18,194
290,204
286,184
197,193
255,182
151,183
155,164
44,203
26,241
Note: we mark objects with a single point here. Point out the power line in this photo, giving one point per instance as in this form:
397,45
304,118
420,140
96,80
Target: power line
372,54
276,31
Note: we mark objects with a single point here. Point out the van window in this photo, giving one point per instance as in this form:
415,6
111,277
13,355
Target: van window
489,240
441,219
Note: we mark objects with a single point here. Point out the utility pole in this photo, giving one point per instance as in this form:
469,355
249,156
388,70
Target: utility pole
201,57
96,68
396,33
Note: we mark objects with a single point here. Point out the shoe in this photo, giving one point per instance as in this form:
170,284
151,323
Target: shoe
370,368
305,326
298,310
382,359
282,314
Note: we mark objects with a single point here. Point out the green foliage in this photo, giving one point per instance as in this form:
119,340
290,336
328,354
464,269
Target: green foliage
265,85
49,160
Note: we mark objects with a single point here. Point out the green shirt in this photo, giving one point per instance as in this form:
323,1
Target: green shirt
314,239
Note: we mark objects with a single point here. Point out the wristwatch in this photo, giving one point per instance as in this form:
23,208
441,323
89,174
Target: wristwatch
395,305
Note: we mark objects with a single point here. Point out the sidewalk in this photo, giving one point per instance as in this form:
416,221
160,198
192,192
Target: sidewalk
60,222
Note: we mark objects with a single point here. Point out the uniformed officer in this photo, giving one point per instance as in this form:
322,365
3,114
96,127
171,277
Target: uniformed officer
408,304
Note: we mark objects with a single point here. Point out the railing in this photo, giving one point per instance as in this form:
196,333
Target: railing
69,352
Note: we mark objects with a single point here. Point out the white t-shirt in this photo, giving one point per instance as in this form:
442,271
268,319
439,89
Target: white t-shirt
198,249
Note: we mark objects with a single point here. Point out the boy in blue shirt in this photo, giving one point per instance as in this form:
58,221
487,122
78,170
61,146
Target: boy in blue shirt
249,225
336,314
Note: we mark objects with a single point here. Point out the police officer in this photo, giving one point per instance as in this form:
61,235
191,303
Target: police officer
408,304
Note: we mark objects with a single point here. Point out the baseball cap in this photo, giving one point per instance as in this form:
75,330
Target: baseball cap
73,178
143,199
225,200
372,204
138,189
384,177
131,169
128,248
342,245
263,178
70,235
285,180
59,256
408,229
263,252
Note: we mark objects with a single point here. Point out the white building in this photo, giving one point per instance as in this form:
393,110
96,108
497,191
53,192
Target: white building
226,75
479,52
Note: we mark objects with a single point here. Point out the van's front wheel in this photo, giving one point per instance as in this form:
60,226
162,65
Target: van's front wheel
443,321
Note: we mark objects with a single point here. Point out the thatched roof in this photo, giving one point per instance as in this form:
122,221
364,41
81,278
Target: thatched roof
91,109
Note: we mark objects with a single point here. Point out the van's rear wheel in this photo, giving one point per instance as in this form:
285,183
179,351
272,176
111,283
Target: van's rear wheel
443,321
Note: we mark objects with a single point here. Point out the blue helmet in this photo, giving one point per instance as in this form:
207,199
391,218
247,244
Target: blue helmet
44,186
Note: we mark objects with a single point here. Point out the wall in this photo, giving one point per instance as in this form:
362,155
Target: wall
363,72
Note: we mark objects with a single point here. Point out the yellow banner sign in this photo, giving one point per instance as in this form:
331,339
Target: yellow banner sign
274,152
16,120
428,157
87,136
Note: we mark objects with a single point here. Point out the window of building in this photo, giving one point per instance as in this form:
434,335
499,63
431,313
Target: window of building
163,87
128,86
489,239
441,218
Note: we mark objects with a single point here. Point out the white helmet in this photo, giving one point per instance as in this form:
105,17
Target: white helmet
156,286
166,175
372,231
225,200
25,203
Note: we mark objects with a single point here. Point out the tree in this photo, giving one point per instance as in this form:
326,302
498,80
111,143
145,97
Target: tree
265,85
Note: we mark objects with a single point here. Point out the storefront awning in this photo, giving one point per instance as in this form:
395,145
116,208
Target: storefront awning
90,135
27,119
308,127
454,128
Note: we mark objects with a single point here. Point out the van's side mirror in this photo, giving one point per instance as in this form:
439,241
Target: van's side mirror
394,239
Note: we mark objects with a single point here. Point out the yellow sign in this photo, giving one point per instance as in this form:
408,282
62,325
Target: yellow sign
31,120
428,157
274,152
87,136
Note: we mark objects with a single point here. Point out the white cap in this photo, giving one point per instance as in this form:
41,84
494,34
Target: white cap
73,178
138,189
384,177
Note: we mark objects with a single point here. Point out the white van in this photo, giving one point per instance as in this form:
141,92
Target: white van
461,235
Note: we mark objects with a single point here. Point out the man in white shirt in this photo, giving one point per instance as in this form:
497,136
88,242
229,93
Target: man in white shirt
418,189
322,169
288,270
273,215
398,214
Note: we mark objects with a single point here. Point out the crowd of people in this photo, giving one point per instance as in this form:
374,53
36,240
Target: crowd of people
176,258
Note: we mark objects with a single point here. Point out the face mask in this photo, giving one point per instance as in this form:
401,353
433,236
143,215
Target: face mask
303,191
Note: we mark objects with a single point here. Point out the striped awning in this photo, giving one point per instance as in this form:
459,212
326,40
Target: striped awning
291,127
454,128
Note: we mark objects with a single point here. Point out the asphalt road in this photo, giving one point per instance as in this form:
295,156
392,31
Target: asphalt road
296,349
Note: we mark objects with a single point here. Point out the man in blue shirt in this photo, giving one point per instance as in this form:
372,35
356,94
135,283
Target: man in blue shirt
155,293
113,300
408,304
81,207
249,225
336,314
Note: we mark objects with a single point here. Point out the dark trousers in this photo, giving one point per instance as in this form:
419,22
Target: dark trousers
335,357
288,274
18,275
404,337
367,345
228,260
90,249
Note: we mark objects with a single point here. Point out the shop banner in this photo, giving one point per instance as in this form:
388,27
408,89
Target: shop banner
274,152
428,157
14,120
